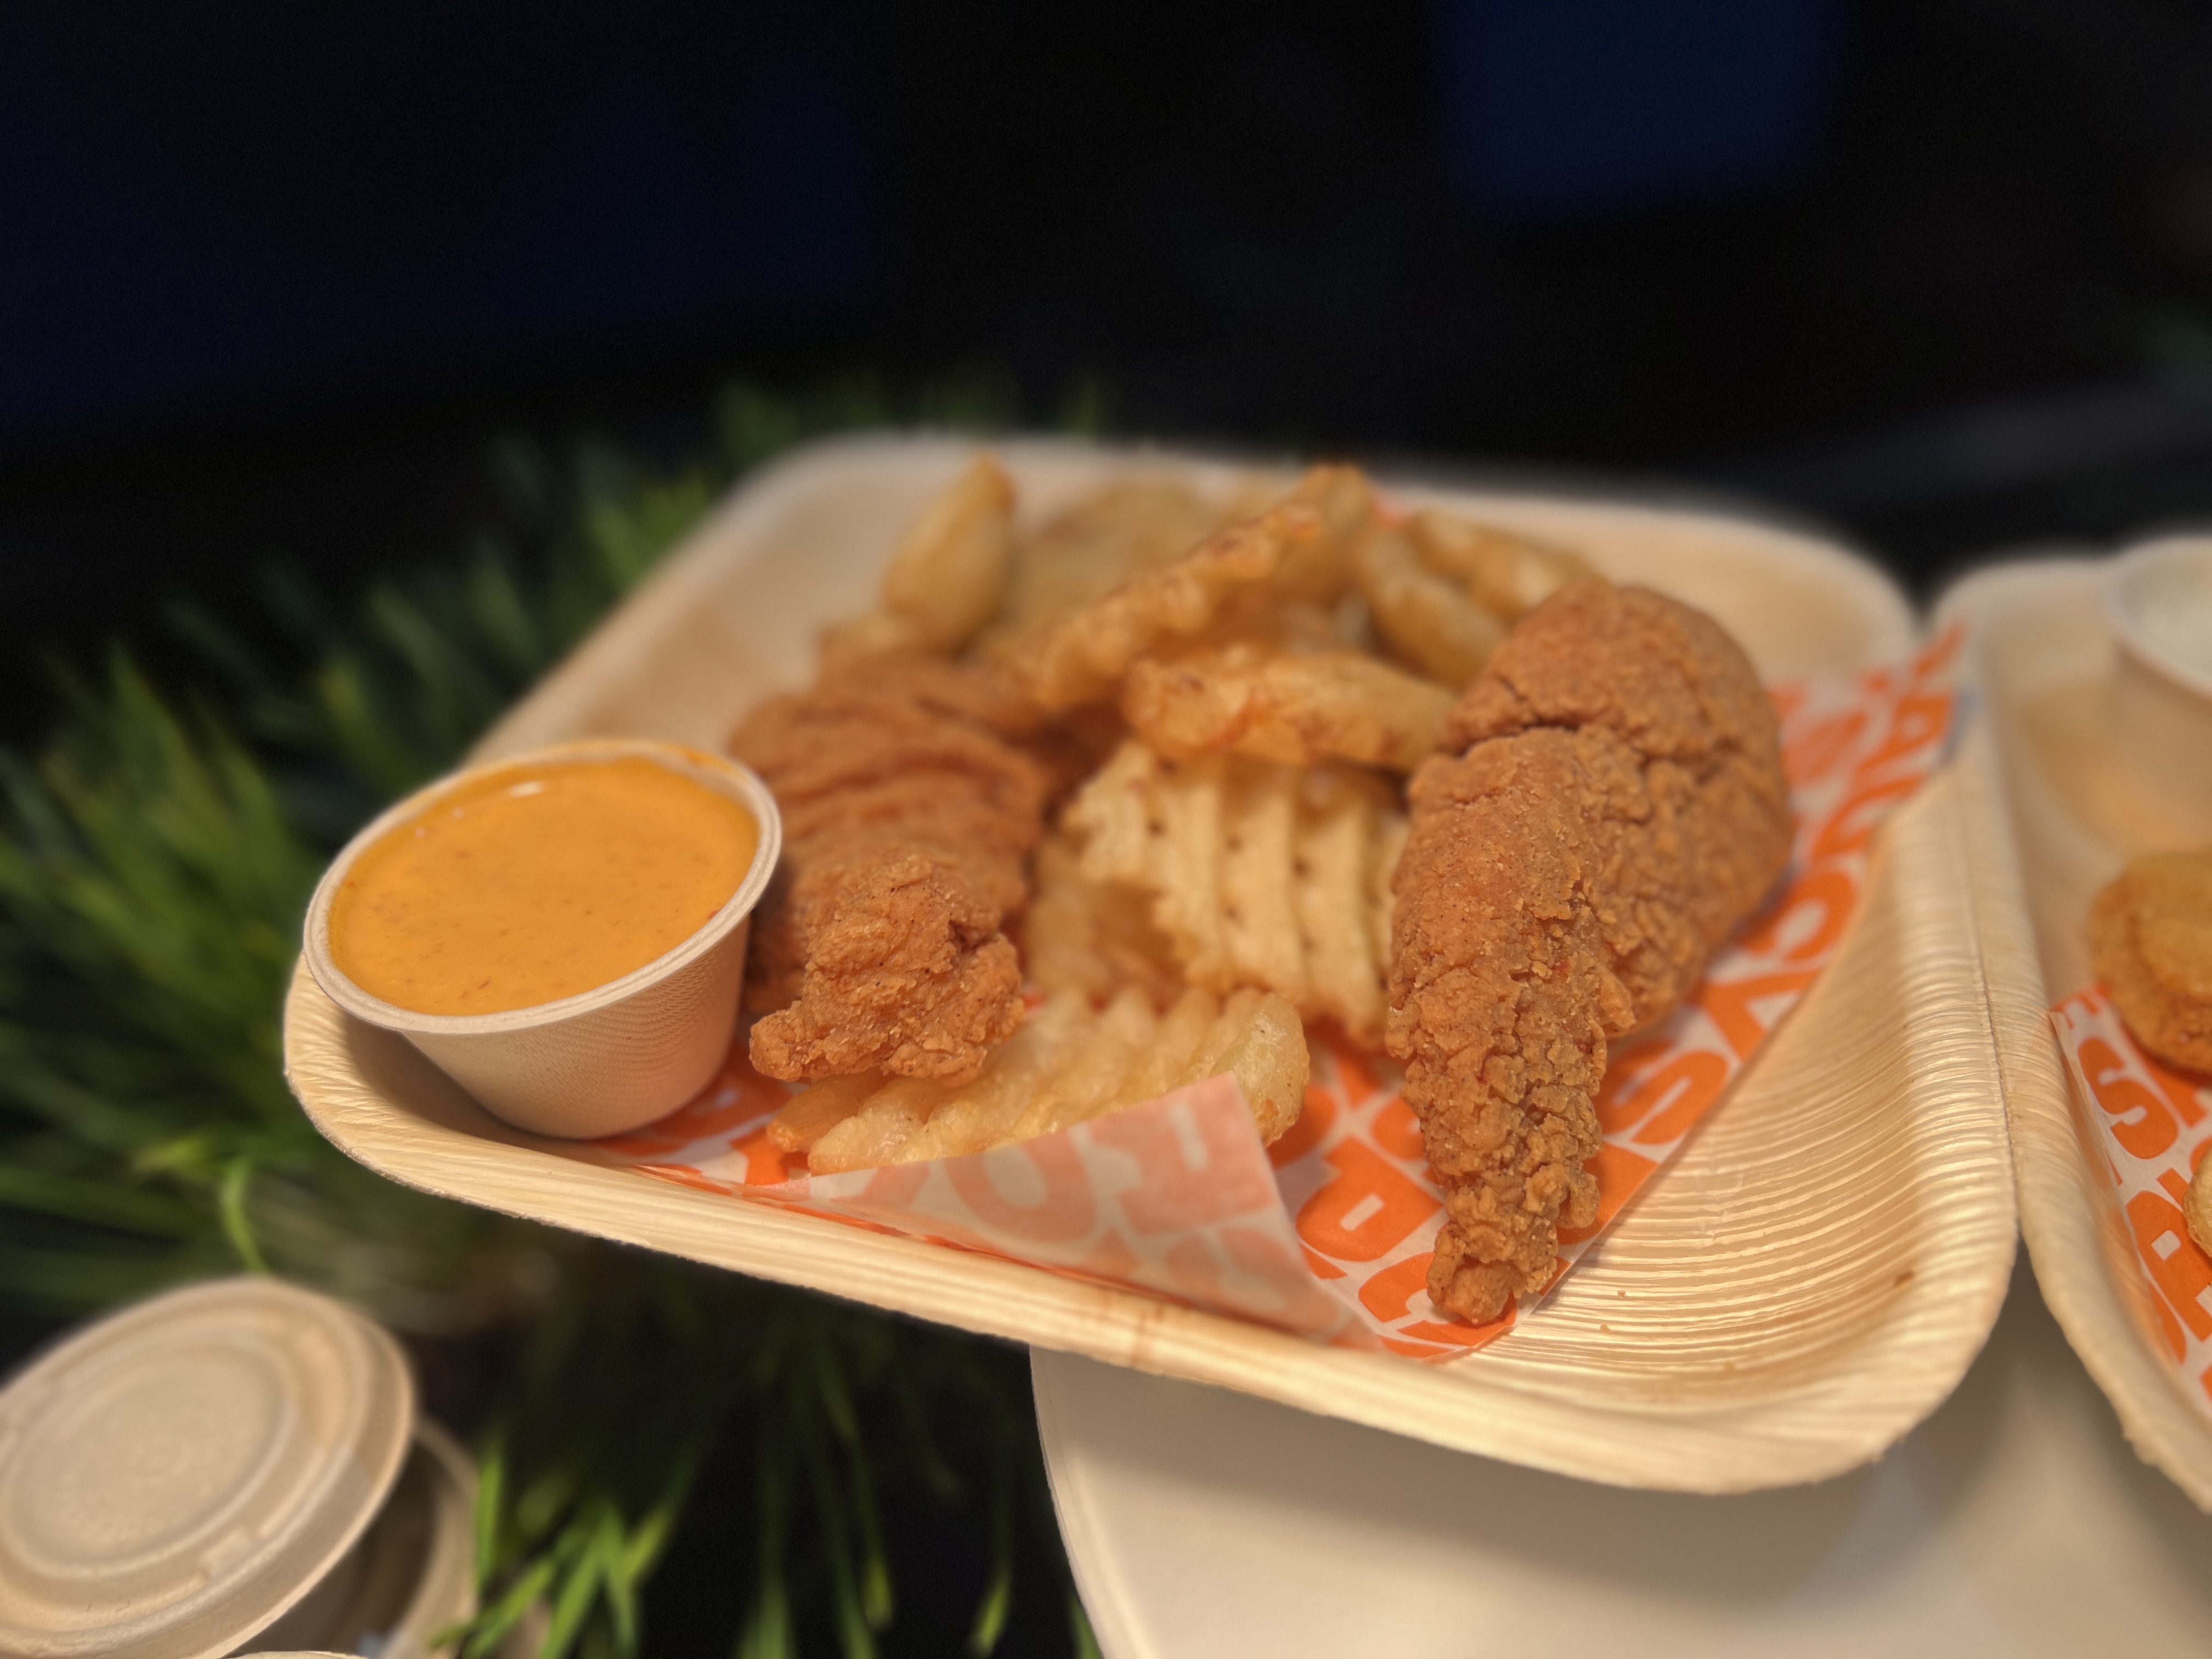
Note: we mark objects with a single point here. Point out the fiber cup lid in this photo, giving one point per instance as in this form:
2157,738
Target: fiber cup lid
174,1477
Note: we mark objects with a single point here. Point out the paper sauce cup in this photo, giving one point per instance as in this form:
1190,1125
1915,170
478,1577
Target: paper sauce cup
2157,600
237,1466
605,1060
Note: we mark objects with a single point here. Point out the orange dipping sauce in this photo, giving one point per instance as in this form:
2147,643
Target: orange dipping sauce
534,883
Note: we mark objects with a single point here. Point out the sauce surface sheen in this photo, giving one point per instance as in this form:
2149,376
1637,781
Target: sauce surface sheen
532,883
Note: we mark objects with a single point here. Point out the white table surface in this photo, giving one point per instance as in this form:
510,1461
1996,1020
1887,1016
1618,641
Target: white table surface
2015,1521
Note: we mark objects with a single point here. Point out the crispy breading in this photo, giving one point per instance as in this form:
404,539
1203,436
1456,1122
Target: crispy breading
1619,807
1082,657
910,804
2152,934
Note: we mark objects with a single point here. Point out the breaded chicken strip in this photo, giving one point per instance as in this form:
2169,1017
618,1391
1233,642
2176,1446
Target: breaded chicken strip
1611,804
910,804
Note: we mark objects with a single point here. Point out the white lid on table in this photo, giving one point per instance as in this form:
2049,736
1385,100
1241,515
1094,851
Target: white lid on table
174,1477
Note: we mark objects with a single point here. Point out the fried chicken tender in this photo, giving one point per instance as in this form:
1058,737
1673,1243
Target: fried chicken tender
1612,804
2152,934
910,804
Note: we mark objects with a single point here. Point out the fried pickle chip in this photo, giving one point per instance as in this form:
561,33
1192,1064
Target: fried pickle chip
1257,874
2199,1207
2152,934
1066,1065
1295,707
947,578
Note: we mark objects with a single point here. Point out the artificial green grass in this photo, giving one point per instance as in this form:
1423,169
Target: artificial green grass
155,859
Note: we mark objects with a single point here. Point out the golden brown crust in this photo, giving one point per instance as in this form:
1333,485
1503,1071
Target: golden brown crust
910,805
1620,807
2151,931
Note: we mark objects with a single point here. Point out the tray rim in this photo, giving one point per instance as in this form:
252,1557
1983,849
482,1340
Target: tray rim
2057,1213
331,1064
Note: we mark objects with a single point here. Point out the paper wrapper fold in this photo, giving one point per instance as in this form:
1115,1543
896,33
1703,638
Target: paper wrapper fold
1329,1232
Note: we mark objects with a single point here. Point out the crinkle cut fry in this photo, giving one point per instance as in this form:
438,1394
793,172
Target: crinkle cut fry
909,809
1619,807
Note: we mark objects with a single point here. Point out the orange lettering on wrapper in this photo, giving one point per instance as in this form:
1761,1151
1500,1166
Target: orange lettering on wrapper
2120,1095
2180,1090
1305,1306
765,1166
1619,1173
2169,1327
2178,1267
1616,1109
1367,1211
1397,1131
1064,1213
1731,1006
1833,891
1352,1075
1302,1136
1920,720
1389,1294
1173,1191
1461,1335
1674,1095
1937,657
1322,1265
1813,753
1853,823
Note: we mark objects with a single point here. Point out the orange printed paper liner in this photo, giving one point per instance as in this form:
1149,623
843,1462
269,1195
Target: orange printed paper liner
1328,1233
2151,1126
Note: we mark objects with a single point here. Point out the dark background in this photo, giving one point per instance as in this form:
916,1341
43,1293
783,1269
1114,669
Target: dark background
1938,272
273,278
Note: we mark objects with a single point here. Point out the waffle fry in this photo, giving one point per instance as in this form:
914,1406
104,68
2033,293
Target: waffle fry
1257,874
1087,936
1066,1065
